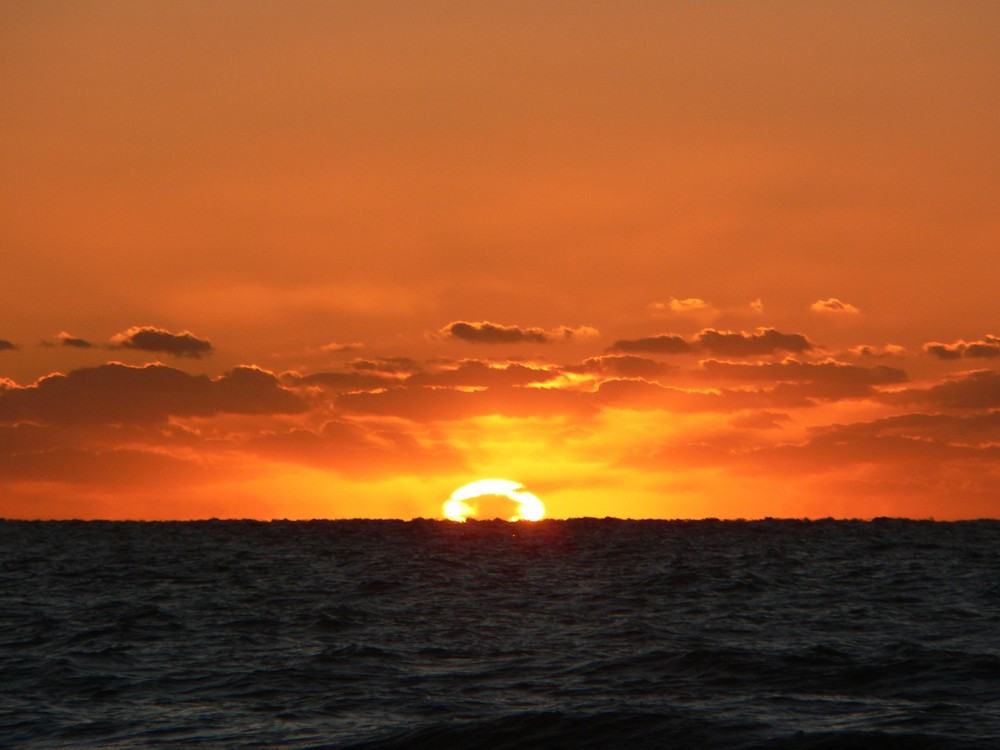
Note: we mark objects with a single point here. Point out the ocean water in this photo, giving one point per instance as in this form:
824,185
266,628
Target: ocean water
560,634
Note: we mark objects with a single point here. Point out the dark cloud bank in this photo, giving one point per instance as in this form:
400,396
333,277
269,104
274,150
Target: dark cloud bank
723,343
486,332
117,393
151,339
986,348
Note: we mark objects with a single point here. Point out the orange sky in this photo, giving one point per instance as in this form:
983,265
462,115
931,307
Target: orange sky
666,260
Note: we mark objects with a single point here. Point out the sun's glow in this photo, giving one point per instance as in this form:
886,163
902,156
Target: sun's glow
463,502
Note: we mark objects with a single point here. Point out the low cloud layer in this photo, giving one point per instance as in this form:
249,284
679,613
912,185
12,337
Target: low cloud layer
761,342
761,404
833,306
681,306
117,393
66,339
795,371
6,345
354,450
985,348
342,382
337,348
387,365
878,352
973,390
151,339
664,343
622,365
475,374
486,332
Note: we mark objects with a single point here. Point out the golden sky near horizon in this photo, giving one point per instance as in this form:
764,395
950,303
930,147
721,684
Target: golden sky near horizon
683,259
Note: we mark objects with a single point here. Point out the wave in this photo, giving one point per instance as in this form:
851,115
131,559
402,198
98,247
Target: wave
586,634
641,731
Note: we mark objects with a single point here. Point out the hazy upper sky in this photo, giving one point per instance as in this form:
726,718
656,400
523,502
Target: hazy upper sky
707,258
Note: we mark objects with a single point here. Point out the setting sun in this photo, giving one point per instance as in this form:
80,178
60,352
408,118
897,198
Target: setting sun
472,500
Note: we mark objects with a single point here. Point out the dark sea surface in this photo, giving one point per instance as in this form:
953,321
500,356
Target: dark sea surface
426,634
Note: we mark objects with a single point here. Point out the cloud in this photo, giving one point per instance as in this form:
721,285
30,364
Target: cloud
668,343
354,450
923,454
151,339
979,389
567,333
342,382
743,344
833,306
945,351
6,346
915,455
834,449
114,456
922,443
982,349
66,339
252,390
674,305
117,393
495,333
889,350
791,370
786,394
476,388
373,375
801,383
974,429
430,404
643,395
387,365
336,348
33,437
622,365
726,343
476,374
757,306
